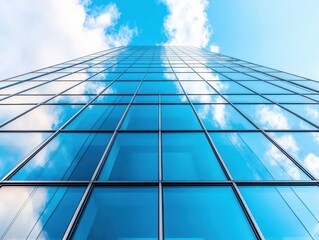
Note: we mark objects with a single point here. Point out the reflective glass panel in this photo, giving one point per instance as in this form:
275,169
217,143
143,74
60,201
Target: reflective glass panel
270,116
284,212
179,117
8,112
204,213
69,156
308,111
221,116
133,157
141,117
37,212
98,117
303,146
250,156
44,117
189,156
120,213
13,152
168,87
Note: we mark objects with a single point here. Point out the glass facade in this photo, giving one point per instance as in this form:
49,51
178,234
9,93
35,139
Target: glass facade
159,143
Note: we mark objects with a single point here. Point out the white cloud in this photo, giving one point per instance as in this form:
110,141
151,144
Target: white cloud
37,33
214,48
187,23
271,117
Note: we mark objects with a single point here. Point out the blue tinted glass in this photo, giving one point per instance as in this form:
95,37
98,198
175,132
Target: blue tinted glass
133,157
12,151
204,213
122,88
113,99
37,212
69,156
141,117
189,156
293,87
250,156
133,76
221,116
120,213
168,87
308,111
10,111
246,99
159,76
98,117
289,98
264,87
44,117
304,147
146,99
284,212
227,87
174,99
205,98
195,87
179,117
270,116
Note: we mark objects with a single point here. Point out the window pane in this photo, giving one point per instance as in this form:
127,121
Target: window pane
120,213
98,117
227,87
37,212
196,87
141,117
69,156
222,116
250,156
308,111
262,87
168,87
122,88
113,99
270,116
13,152
284,212
204,213
133,157
304,147
44,117
189,156
246,99
179,117
8,112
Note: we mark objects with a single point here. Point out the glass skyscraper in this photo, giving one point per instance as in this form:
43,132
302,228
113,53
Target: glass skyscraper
159,143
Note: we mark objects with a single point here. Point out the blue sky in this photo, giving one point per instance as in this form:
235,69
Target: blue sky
280,34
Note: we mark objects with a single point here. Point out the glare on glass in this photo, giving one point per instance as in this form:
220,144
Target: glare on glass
69,156
284,212
37,212
98,117
251,156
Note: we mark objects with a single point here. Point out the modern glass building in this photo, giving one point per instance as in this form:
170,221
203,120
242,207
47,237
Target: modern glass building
159,143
